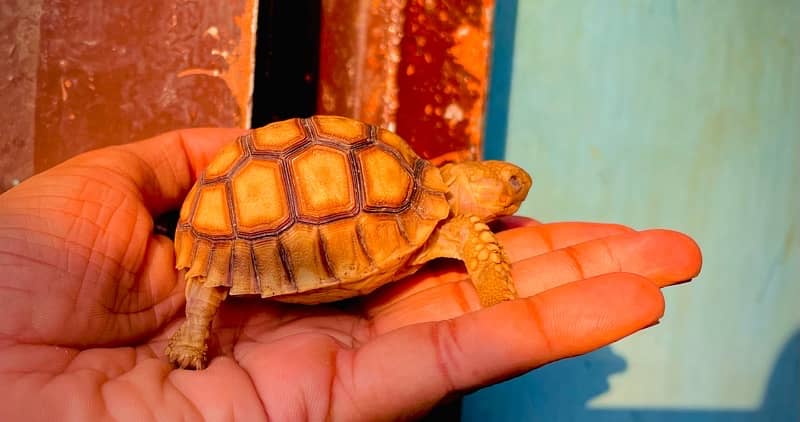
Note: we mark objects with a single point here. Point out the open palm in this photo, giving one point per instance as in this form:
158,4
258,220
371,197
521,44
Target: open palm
89,296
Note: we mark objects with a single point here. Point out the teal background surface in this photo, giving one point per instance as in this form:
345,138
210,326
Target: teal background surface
663,113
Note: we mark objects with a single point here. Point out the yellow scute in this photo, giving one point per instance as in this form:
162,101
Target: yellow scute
323,181
387,183
188,203
432,179
278,136
340,128
259,196
395,141
211,215
224,160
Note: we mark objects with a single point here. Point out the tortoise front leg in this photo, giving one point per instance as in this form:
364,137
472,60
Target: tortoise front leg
487,263
467,238
187,347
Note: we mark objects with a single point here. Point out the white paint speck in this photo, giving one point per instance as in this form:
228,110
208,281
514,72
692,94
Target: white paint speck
454,113
213,32
221,53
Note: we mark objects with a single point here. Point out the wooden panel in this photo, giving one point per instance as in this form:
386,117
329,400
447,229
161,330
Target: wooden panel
114,72
417,67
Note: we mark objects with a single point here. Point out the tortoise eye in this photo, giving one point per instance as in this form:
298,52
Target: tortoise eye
516,185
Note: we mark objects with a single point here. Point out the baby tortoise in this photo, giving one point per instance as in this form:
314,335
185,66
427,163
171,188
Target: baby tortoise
326,208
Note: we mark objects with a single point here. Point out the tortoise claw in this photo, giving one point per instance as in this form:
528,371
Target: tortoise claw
185,356
183,353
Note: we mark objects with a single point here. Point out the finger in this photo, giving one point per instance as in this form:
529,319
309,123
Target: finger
159,170
173,161
519,243
419,365
526,241
665,257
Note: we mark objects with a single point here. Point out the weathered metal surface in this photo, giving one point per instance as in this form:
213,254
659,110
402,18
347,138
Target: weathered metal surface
19,55
359,57
419,67
114,72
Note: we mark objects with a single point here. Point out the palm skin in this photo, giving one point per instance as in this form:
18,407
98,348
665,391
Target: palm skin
90,296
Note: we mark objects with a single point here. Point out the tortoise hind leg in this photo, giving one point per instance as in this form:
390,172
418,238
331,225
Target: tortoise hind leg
187,347
467,238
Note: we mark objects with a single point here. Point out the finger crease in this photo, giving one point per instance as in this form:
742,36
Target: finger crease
252,382
572,254
446,350
545,237
343,360
458,294
612,257
535,315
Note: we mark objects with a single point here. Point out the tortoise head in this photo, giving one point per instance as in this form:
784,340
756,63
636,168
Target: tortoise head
486,189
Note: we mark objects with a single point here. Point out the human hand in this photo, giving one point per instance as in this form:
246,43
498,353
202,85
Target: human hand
90,296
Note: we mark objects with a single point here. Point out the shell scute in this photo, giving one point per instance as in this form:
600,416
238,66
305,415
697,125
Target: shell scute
395,141
341,129
386,182
184,244
188,204
346,257
303,258
432,206
225,159
382,238
271,275
212,214
243,277
258,188
219,264
321,166
278,136
200,259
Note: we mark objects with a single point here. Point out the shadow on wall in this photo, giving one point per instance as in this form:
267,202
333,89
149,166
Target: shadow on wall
561,392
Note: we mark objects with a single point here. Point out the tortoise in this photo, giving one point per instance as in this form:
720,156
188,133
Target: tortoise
325,208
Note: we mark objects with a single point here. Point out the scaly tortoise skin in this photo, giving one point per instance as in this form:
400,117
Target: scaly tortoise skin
326,208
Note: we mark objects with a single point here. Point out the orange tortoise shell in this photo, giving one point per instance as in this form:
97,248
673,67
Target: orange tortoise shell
309,210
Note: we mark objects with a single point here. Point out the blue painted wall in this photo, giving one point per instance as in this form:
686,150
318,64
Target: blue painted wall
664,113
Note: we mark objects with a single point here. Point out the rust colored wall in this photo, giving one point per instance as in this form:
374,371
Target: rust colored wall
113,72
418,67
86,74
19,49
